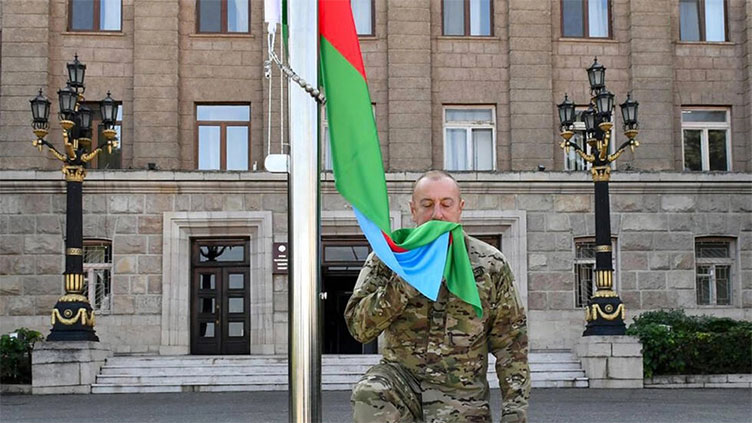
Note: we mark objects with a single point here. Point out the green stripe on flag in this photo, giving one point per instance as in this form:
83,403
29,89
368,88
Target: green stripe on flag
356,155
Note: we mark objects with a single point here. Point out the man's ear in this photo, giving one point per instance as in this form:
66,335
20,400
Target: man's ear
412,210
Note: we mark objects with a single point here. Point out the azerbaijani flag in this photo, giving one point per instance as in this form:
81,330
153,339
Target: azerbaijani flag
422,255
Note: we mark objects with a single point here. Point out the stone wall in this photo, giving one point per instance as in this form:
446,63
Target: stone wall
160,67
655,218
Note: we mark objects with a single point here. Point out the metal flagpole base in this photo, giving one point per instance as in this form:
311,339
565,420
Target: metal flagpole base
605,316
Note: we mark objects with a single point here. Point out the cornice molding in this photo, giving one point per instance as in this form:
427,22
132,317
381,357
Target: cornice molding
169,182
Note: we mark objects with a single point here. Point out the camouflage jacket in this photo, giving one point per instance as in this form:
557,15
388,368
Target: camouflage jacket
444,343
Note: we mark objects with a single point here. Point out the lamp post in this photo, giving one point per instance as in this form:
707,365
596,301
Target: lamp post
72,317
604,312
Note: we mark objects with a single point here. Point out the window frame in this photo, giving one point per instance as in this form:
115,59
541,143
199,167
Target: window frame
586,22
222,21
577,261
223,125
702,22
96,22
704,142
729,261
467,22
469,127
373,20
96,120
89,270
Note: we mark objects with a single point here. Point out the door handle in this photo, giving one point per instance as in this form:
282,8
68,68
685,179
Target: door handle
323,295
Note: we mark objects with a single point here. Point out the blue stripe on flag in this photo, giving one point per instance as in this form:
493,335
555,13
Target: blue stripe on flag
422,267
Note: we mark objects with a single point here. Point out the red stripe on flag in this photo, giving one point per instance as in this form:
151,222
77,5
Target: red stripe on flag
396,248
336,24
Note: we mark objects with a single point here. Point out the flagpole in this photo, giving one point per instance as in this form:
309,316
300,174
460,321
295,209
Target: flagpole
304,348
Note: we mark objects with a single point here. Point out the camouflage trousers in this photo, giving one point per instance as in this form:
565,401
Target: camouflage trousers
389,393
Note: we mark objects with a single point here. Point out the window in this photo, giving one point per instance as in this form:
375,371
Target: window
467,17
702,20
713,260
585,18
326,149
363,15
572,160
705,135
105,160
223,16
98,274
469,138
95,15
584,269
223,135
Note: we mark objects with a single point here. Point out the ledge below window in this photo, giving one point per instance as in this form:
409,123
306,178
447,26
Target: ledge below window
221,35
89,33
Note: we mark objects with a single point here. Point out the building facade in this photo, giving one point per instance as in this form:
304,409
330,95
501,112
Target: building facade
183,227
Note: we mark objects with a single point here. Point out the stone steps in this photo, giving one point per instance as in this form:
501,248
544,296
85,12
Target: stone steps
132,374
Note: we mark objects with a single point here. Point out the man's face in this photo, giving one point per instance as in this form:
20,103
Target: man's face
436,199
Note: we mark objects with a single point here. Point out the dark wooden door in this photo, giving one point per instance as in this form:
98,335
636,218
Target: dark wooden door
220,297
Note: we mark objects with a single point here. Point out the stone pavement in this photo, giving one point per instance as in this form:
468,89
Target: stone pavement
546,405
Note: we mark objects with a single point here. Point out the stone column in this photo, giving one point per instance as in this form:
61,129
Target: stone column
66,367
611,361
409,82
155,84
652,71
25,69
531,103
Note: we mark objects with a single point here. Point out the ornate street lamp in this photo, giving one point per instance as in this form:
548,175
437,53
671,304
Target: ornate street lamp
604,312
72,316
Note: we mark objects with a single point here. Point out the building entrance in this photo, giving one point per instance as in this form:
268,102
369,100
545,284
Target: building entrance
341,262
220,296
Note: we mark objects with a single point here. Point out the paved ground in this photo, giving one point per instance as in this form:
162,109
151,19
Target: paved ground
547,405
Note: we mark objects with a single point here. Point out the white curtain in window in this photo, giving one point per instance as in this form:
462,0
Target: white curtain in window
715,28
480,17
483,149
208,147
454,17
456,149
689,20
109,15
362,15
237,148
598,18
237,15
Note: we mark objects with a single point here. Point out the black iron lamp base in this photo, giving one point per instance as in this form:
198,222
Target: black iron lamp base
605,316
72,321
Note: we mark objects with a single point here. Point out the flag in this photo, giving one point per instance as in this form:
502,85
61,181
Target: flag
422,255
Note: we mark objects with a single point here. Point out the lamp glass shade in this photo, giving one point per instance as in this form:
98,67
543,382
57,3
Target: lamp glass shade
40,108
67,98
588,118
76,73
108,109
629,111
566,111
596,75
604,101
83,118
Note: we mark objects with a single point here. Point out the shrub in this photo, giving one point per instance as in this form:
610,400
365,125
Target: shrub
674,343
15,356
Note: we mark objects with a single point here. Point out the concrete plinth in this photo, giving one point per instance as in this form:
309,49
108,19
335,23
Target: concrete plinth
611,361
66,367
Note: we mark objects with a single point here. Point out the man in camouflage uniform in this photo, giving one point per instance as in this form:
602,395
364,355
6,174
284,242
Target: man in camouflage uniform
436,354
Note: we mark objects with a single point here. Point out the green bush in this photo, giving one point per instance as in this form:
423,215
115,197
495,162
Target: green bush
15,356
674,343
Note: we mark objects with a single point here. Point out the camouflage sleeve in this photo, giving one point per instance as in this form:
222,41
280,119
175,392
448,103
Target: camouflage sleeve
508,342
378,298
